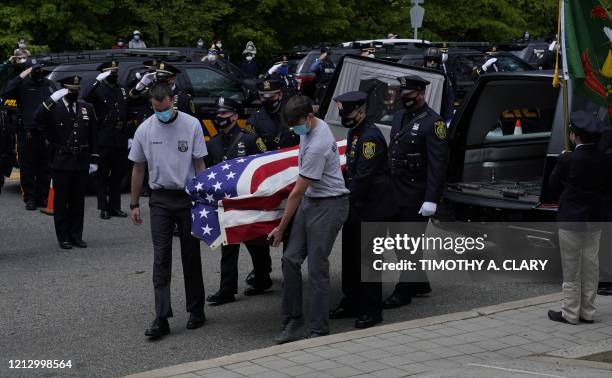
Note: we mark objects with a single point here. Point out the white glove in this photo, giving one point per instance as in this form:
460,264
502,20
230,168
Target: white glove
103,75
145,81
93,168
59,94
25,73
130,142
488,63
552,46
274,68
428,209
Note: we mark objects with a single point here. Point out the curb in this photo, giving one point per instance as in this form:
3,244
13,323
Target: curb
344,336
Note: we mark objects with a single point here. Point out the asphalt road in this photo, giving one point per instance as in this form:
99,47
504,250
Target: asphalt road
91,306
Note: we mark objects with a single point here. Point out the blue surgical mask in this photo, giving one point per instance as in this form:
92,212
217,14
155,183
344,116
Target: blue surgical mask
164,116
301,129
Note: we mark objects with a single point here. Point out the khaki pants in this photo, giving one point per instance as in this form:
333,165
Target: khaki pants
580,273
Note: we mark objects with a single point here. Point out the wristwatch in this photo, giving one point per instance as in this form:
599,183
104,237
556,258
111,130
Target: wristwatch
132,207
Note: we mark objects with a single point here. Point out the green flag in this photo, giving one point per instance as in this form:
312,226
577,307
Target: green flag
588,43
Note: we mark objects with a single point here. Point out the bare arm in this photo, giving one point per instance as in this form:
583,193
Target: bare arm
199,165
138,174
293,201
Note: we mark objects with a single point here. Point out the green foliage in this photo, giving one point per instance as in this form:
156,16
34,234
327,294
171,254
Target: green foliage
274,25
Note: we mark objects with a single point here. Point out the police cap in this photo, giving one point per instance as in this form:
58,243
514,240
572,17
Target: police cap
587,122
269,87
113,65
226,104
162,69
70,82
350,101
411,83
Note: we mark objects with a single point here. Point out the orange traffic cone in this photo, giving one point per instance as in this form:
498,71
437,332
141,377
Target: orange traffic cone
518,127
49,209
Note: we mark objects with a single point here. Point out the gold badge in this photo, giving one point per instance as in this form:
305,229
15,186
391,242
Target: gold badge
76,80
369,149
249,128
440,129
162,66
261,145
266,85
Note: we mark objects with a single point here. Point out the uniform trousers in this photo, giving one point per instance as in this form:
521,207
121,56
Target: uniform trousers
33,165
260,255
112,166
69,204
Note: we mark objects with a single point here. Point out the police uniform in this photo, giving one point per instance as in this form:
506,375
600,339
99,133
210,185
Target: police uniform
581,178
33,160
71,131
267,123
367,178
433,59
324,71
7,146
229,144
418,158
605,254
182,100
110,101
288,82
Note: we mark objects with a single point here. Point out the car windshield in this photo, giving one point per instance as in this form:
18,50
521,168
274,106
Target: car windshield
210,83
304,65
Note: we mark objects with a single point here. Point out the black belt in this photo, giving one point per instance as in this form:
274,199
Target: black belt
327,198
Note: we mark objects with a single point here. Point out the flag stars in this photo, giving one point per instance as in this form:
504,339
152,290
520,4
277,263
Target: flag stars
227,195
210,198
199,186
231,175
206,230
241,160
225,166
204,213
217,186
212,175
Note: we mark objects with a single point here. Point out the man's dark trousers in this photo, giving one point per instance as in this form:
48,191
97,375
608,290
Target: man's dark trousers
170,207
33,165
113,165
260,254
69,204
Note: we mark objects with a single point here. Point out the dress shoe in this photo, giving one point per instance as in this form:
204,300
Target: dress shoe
290,330
250,278
557,316
118,213
604,288
65,245
395,300
586,321
196,320
219,298
158,328
105,214
30,205
258,289
342,311
79,243
367,321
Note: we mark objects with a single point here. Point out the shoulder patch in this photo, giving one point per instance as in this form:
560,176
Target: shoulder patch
249,128
261,145
369,149
440,129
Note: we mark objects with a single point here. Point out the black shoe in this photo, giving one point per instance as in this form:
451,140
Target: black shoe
342,311
395,300
250,278
258,289
118,213
605,288
79,243
30,205
219,298
158,328
586,321
65,245
557,316
105,214
289,330
367,321
196,320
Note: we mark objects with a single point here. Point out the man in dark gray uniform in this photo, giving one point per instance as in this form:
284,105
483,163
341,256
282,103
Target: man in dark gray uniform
172,143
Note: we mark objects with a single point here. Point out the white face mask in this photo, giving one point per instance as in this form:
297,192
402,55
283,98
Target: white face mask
249,58
200,44
212,57
136,37
219,45
22,45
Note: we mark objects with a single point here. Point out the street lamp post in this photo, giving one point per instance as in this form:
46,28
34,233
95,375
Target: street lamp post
416,16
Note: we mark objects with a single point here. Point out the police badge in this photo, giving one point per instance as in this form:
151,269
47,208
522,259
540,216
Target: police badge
369,149
183,146
440,129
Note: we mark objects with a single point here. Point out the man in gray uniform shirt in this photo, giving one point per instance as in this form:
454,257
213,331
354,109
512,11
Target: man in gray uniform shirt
319,206
172,143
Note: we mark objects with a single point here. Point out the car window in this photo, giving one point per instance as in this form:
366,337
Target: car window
508,63
87,77
517,124
209,83
463,67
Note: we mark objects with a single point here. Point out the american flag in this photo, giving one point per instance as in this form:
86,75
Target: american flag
243,198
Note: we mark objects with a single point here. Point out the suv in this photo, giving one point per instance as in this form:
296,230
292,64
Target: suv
461,63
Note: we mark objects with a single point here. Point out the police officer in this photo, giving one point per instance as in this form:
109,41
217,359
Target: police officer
324,68
579,177
605,249
280,71
71,130
267,122
433,60
229,143
367,178
7,146
418,156
162,72
489,63
110,101
30,88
